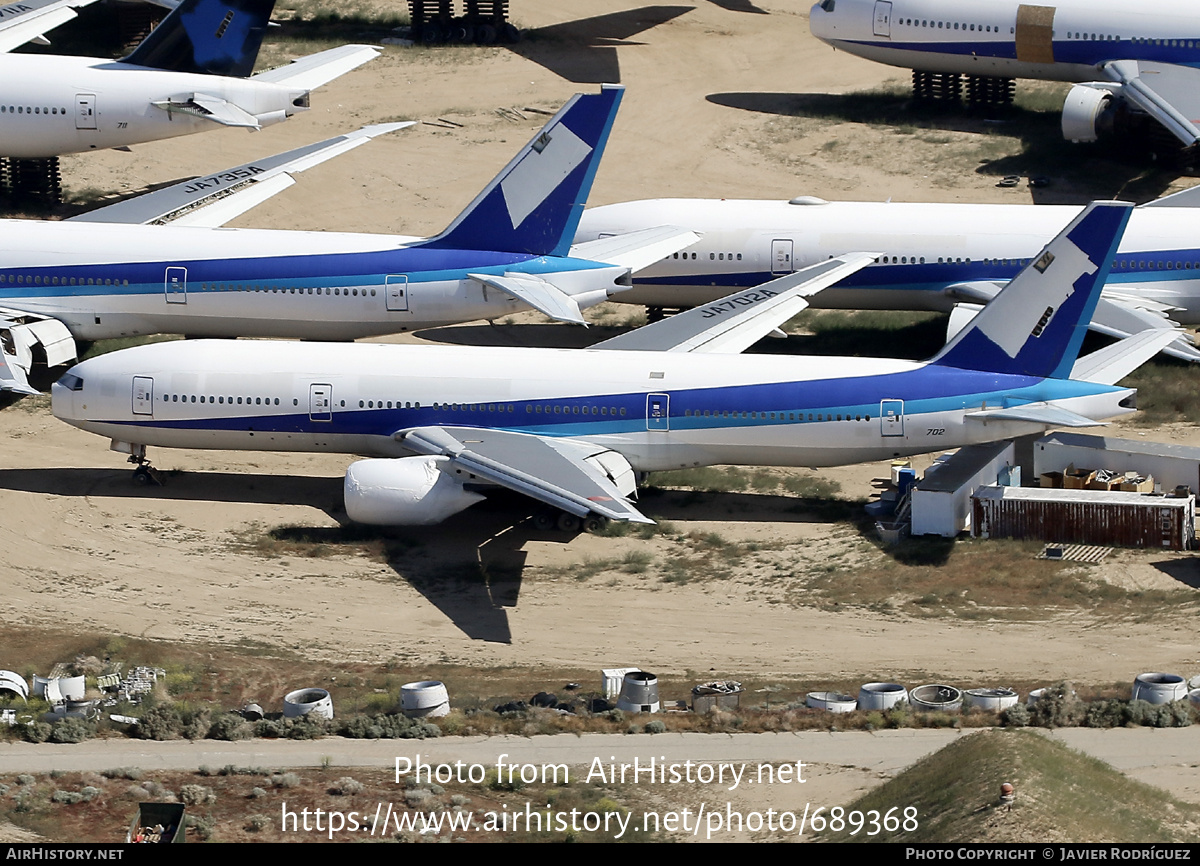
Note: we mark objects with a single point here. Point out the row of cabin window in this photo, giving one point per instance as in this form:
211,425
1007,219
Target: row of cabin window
771,416
530,409
242,287
62,281
25,109
946,25
1120,264
250,401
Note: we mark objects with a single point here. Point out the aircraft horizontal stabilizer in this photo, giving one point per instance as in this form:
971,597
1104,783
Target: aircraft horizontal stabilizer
636,250
574,476
734,323
1037,413
1113,363
29,20
537,293
1121,317
212,108
217,198
309,73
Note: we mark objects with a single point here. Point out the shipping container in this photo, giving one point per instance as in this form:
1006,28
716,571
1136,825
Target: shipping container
1085,517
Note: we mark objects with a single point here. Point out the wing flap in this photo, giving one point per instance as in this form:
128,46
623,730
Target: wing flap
215,199
561,473
308,73
636,250
537,293
738,321
1167,92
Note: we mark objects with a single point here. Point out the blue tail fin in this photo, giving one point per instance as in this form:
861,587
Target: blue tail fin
217,37
534,205
1035,326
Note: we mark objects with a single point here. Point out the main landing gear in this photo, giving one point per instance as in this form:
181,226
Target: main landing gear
564,521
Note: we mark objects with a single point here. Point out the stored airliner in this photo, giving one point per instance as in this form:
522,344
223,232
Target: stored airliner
940,257
510,250
191,74
1134,60
572,428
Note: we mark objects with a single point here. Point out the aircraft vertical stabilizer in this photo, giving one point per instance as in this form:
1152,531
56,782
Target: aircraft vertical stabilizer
216,37
533,206
1036,325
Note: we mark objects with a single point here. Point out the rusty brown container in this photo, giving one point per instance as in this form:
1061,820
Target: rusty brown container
1084,517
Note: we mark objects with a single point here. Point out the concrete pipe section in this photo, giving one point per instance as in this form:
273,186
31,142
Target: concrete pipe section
427,698
1158,688
639,693
15,683
881,696
994,700
304,701
834,702
935,697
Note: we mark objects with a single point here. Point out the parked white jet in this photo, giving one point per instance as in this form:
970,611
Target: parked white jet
941,257
510,250
191,74
572,428
1135,60
29,21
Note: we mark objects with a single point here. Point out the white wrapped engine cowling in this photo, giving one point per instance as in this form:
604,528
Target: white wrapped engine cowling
403,491
1087,112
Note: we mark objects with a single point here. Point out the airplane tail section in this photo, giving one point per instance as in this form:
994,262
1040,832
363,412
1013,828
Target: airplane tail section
533,206
217,37
1036,324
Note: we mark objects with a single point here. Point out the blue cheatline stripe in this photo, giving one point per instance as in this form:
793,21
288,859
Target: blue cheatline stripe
1082,51
925,390
319,270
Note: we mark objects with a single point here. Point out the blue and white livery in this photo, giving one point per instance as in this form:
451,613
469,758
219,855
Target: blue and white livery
191,74
939,257
1134,60
510,250
572,428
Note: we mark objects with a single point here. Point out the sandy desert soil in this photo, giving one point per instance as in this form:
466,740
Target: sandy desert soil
701,118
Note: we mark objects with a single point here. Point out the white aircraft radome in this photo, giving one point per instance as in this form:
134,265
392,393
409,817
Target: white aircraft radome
939,257
105,274
1132,60
191,74
572,428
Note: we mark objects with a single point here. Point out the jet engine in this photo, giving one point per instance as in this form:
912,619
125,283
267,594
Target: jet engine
404,491
1092,111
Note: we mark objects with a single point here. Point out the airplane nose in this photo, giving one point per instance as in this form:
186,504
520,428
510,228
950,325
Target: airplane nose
820,18
63,393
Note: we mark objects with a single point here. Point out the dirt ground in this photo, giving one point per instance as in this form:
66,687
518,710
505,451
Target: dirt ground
699,119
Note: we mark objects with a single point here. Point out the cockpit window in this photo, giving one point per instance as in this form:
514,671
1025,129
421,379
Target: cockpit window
827,5
71,382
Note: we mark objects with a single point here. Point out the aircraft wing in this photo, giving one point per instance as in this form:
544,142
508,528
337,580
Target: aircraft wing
1189,197
537,293
1038,413
1166,91
217,198
636,250
29,20
569,474
307,73
734,323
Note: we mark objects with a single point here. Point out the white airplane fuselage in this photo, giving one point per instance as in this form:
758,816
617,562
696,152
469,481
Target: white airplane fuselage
53,105
1064,40
112,280
660,410
927,249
